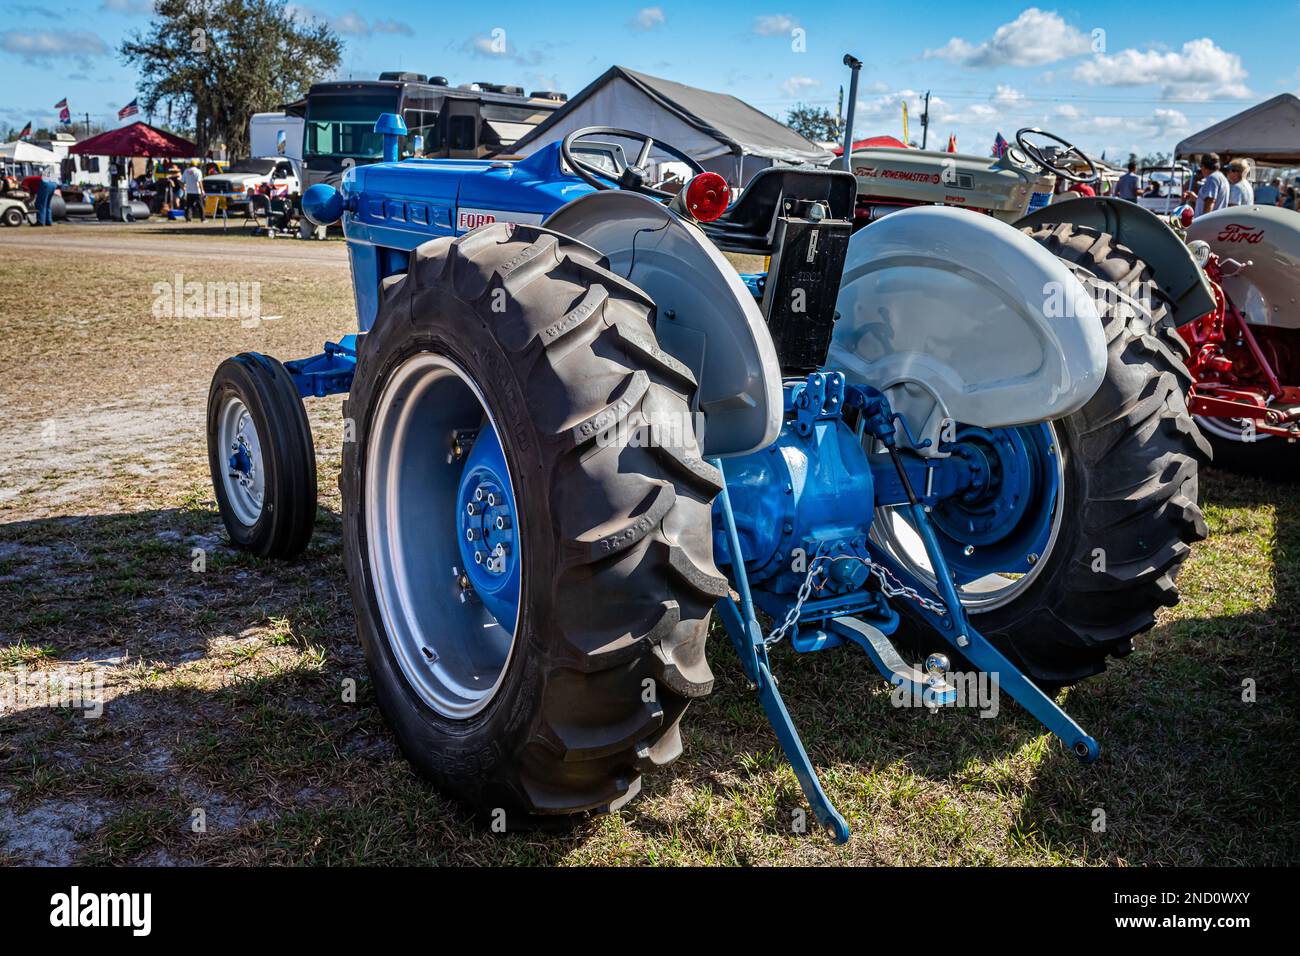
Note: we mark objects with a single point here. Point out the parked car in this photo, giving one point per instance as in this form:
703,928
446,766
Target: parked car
242,180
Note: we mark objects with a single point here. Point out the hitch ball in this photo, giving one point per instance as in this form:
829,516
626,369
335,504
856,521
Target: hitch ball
936,665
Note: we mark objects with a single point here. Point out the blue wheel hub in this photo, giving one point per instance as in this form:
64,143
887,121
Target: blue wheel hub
487,525
1003,522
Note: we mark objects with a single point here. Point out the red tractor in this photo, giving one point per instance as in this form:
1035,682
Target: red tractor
1245,353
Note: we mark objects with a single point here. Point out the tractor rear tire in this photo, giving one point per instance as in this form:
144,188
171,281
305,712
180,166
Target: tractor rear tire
618,580
1131,457
278,522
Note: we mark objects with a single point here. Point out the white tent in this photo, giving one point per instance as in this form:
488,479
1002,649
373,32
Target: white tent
719,131
1268,133
21,151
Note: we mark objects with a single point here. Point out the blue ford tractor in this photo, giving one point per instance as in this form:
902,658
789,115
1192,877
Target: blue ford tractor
575,430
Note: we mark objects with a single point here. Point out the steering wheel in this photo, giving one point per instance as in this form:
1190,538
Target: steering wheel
1036,154
633,177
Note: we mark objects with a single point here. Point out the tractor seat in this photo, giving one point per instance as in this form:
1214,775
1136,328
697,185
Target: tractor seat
750,224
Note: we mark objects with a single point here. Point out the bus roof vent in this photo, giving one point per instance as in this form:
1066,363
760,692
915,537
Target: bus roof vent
549,95
438,80
402,77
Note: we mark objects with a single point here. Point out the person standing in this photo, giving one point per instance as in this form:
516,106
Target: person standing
1269,193
1213,193
1128,184
44,200
192,179
1240,191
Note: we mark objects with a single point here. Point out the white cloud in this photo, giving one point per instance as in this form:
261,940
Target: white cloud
797,85
1201,70
127,6
351,24
1034,38
774,24
647,18
35,45
1007,97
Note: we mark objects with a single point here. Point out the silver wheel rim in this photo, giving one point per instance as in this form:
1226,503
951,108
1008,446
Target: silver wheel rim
451,650
241,446
1229,429
892,532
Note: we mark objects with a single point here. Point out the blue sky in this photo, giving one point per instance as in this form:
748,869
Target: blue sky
1111,76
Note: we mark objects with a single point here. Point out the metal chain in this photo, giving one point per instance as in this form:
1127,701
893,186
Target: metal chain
882,573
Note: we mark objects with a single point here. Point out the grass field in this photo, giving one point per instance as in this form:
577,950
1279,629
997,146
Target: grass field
223,687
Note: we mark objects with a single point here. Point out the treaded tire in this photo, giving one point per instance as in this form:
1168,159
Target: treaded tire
13,216
618,579
1131,457
284,526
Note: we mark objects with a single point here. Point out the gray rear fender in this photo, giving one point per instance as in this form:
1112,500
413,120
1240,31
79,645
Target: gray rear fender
706,316
1174,270
956,315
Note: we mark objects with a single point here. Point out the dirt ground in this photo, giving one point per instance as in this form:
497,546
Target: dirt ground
226,736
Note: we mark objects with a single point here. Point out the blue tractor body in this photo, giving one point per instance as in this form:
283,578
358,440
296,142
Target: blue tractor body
793,522
388,209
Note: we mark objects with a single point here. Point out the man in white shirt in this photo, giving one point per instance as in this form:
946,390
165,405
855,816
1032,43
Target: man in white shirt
1213,193
1240,191
192,179
1127,187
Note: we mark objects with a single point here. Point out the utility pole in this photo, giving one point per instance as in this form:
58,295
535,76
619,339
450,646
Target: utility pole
925,120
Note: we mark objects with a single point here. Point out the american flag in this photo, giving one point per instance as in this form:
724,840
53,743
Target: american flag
999,145
65,115
129,110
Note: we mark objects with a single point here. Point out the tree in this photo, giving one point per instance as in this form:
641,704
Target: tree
813,122
213,63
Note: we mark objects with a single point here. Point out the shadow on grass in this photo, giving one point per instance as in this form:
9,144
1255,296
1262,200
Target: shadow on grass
232,704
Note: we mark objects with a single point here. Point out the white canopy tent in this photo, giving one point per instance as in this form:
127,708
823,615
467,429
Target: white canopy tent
21,151
717,130
1268,133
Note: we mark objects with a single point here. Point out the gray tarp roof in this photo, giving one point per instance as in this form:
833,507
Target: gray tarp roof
731,121
1268,132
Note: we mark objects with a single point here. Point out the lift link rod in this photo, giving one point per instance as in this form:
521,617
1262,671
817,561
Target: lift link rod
742,625
974,646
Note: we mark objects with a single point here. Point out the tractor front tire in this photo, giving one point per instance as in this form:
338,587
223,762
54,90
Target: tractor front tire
1130,458
614,541
261,457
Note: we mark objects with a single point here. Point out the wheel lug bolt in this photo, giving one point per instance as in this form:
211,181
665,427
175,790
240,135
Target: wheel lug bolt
469,534
478,557
503,522
491,500
478,494
470,509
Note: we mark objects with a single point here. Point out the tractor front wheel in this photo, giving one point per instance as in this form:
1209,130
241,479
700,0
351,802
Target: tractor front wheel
532,590
261,457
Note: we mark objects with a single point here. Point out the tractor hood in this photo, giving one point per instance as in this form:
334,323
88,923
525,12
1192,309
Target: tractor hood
1009,184
1268,237
403,204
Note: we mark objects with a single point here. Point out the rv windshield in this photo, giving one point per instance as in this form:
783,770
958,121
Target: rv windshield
343,127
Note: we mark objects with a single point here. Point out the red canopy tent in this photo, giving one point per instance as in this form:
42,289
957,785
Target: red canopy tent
138,139
870,142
